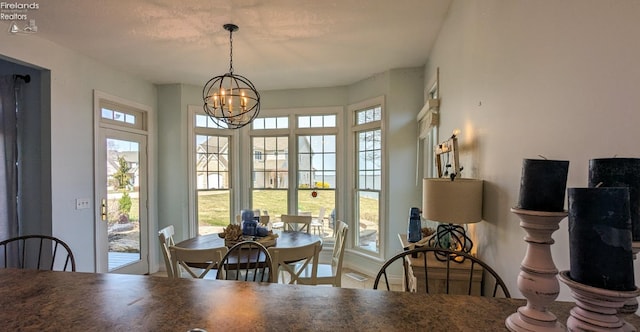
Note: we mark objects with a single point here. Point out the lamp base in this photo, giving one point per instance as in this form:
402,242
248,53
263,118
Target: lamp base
453,235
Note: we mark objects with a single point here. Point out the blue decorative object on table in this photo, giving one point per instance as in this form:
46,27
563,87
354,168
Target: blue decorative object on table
414,233
262,231
249,224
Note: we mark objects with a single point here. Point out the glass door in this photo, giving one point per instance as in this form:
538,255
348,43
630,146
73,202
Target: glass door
122,228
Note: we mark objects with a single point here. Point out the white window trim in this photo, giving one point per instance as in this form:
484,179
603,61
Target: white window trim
242,155
383,224
192,131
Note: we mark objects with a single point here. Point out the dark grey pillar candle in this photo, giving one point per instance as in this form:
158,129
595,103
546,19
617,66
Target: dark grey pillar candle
620,172
600,238
543,185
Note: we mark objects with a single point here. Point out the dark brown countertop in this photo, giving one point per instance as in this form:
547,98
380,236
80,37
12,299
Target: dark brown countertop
74,301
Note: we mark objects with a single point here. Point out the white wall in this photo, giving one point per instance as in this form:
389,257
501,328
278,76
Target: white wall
528,78
73,79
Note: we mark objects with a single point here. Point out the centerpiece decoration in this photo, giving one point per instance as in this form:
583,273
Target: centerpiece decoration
248,230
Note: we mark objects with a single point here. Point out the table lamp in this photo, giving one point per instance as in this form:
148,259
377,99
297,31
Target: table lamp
452,203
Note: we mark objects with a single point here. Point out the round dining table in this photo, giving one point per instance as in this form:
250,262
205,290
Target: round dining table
284,240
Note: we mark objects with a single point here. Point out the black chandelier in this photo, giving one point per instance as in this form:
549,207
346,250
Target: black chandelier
231,100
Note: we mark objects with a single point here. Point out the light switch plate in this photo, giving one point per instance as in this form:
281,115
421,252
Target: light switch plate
83,203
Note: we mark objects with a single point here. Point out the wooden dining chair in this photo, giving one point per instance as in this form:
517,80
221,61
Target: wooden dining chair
196,263
165,236
451,275
264,220
246,261
40,252
292,262
296,223
329,274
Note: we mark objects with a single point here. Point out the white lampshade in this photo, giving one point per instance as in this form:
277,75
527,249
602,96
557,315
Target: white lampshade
452,202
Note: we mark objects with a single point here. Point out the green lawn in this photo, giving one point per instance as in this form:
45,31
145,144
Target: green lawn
214,206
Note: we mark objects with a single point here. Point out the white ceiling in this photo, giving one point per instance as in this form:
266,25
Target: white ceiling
280,44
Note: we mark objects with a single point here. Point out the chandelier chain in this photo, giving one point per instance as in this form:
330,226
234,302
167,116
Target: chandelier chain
231,51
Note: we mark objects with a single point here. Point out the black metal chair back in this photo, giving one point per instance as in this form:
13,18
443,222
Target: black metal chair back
246,261
41,252
425,270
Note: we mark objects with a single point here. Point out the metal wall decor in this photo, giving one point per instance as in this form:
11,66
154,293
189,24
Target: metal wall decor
231,100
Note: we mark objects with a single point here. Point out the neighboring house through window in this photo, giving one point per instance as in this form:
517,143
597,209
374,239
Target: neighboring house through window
212,169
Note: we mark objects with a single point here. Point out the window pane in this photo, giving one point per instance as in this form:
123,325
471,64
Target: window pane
329,162
130,119
316,121
124,115
214,123
377,114
368,155
204,121
224,145
304,122
316,154
316,143
368,180
304,179
330,178
377,180
317,160
201,120
107,113
368,209
360,118
283,144
368,140
362,141
369,115
280,180
377,144
329,143
272,201
212,177
258,123
258,144
212,162
270,123
361,160
213,211
329,121
282,122
201,180
304,145
368,175
272,170
258,180
321,207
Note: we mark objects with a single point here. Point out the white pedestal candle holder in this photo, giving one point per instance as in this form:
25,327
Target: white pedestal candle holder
631,306
537,280
596,308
